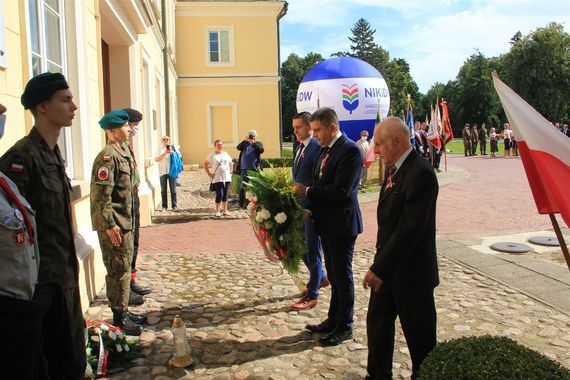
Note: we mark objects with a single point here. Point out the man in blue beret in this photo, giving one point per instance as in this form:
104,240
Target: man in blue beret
37,168
112,217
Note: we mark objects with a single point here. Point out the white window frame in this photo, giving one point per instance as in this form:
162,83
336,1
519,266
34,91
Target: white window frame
209,108
217,29
3,46
65,138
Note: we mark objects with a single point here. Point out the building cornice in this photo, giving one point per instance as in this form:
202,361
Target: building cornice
229,9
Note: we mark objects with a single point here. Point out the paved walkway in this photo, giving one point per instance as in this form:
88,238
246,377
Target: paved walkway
236,304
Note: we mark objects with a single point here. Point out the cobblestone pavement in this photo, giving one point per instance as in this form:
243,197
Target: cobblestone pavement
236,304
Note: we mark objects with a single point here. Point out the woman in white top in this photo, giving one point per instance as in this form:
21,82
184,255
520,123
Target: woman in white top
219,167
493,139
162,156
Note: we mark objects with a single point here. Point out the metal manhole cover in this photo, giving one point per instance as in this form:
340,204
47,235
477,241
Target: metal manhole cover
548,241
511,247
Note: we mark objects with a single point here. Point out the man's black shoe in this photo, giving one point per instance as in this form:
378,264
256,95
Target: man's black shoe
323,327
121,319
335,338
142,290
135,299
139,319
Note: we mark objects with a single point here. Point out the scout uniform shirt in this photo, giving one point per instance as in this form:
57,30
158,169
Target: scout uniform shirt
19,258
39,173
111,189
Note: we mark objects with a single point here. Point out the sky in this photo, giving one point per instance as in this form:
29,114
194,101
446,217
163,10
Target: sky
434,36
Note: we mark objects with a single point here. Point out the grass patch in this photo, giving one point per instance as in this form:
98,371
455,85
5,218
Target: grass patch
456,147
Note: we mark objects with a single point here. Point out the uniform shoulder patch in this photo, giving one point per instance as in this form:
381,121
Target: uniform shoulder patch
103,173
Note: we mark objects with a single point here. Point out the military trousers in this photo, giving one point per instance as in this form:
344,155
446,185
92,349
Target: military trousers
117,260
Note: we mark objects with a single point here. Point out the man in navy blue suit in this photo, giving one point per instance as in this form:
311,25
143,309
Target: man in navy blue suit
405,272
335,211
304,159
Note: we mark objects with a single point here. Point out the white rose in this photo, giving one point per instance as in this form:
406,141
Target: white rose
259,217
112,335
266,214
248,194
104,327
281,218
254,198
119,347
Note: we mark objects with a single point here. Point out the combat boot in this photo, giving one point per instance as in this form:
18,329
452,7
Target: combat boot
142,290
139,319
121,320
135,299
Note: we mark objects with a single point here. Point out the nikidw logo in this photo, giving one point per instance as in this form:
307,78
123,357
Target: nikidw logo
350,97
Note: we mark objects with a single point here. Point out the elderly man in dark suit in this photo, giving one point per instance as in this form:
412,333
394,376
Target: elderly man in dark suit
335,210
404,273
304,159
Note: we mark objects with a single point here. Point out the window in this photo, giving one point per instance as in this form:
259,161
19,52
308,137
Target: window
47,52
220,46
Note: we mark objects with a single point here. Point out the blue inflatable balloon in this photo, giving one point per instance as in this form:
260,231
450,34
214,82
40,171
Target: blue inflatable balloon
353,88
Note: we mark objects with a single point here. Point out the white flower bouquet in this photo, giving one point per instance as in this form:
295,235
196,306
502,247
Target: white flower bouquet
276,216
107,347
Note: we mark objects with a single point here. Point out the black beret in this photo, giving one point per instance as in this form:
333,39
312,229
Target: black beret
41,87
134,115
114,119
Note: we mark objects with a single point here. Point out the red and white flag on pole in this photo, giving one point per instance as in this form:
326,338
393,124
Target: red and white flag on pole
545,153
447,130
433,134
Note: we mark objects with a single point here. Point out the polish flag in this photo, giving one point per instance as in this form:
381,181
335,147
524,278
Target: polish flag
545,153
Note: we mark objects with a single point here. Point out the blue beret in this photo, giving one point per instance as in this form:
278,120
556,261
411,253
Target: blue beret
41,87
114,119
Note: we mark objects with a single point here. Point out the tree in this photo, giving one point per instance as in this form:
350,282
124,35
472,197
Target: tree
362,39
476,98
538,68
292,72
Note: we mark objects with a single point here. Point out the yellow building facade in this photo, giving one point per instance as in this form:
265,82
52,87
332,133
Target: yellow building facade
228,69
151,55
112,54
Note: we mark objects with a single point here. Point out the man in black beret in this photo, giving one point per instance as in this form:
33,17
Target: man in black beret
35,165
135,117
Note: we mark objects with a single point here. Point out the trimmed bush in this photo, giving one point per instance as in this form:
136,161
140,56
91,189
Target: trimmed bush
488,357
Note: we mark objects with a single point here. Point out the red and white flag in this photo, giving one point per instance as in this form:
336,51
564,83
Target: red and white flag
545,153
433,134
447,130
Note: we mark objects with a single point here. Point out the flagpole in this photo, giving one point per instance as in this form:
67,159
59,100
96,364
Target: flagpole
560,238
444,150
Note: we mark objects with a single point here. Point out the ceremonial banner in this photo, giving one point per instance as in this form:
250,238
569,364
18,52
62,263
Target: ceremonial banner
545,153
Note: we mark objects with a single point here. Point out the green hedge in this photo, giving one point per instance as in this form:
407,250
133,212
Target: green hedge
488,357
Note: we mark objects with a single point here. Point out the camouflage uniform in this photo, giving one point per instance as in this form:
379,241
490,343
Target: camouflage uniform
112,205
39,173
467,141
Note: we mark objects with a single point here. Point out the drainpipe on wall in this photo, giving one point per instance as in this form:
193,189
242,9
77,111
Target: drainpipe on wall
166,72
282,13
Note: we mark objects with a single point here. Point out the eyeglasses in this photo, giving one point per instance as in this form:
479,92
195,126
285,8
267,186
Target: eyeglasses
165,139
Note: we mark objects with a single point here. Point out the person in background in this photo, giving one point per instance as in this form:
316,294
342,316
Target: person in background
507,136
335,210
303,163
514,146
565,130
221,164
162,156
364,145
137,290
466,134
483,140
494,141
36,167
250,151
112,217
474,139
404,272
